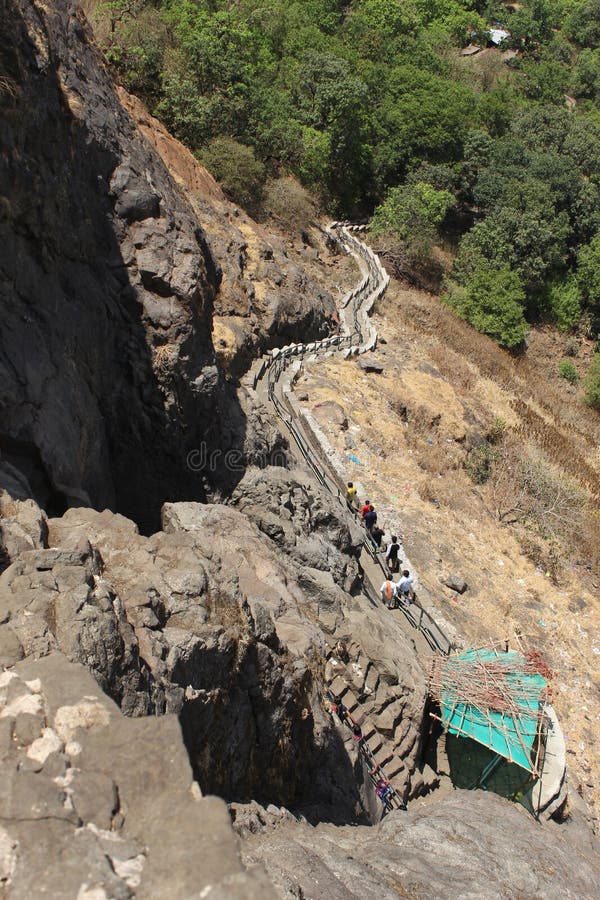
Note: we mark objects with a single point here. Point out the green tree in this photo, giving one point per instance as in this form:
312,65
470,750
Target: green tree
412,212
491,300
241,175
531,25
374,25
545,80
581,145
583,24
314,157
592,383
585,76
326,90
542,127
496,108
565,303
134,36
421,116
588,273
524,230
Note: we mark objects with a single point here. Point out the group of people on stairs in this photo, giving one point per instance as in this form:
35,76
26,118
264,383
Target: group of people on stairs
392,593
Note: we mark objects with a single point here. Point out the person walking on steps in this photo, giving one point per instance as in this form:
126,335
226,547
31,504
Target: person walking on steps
370,518
377,535
392,555
339,707
389,592
357,735
365,509
405,587
351,495
384,791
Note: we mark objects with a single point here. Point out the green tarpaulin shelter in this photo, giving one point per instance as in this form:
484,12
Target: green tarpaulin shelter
495,698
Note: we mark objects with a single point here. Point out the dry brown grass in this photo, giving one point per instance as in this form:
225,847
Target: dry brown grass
557,444
524,487
537,577
564,431
453,367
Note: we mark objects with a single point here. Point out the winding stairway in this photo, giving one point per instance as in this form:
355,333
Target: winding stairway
273,379
358,685
281,367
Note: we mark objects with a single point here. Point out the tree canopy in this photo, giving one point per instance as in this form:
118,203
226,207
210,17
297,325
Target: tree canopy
370,105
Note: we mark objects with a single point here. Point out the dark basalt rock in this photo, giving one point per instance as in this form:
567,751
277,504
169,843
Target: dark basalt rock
107,370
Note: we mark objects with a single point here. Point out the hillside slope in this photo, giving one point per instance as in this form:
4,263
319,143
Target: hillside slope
446,403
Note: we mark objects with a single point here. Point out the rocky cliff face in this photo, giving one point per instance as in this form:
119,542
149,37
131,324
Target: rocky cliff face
108,283
143,670
107,368
274,285
227,618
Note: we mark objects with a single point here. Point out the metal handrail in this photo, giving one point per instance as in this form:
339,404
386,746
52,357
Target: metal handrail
277,362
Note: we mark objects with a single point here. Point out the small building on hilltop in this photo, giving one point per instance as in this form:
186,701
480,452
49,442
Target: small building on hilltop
502,732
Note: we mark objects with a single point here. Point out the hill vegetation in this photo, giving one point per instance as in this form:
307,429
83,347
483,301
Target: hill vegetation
372,107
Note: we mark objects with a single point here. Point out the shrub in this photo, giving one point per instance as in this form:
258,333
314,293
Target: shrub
479,463
496,431
287,200
592,383
565,303
572,347
412,211
567,370
492,300
241,175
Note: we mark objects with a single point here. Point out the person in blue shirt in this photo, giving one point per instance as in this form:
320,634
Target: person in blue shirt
370,518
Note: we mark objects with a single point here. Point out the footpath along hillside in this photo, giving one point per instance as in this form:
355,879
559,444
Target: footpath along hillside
402,422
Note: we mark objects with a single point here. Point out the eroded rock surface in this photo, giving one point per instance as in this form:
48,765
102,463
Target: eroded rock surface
106,281
109,287
268,296
96,805
471,844
227,618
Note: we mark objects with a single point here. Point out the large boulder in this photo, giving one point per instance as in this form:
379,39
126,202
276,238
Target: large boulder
97,805
302,520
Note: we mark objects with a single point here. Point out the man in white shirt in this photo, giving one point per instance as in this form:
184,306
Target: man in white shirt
405,587
388,592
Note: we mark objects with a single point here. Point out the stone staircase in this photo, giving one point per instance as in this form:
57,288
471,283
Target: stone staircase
377,707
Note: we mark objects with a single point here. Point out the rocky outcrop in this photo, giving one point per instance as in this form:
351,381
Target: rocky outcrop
23,525
96,805
108,287
304,523
269,293
227,620
471,844
205,620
